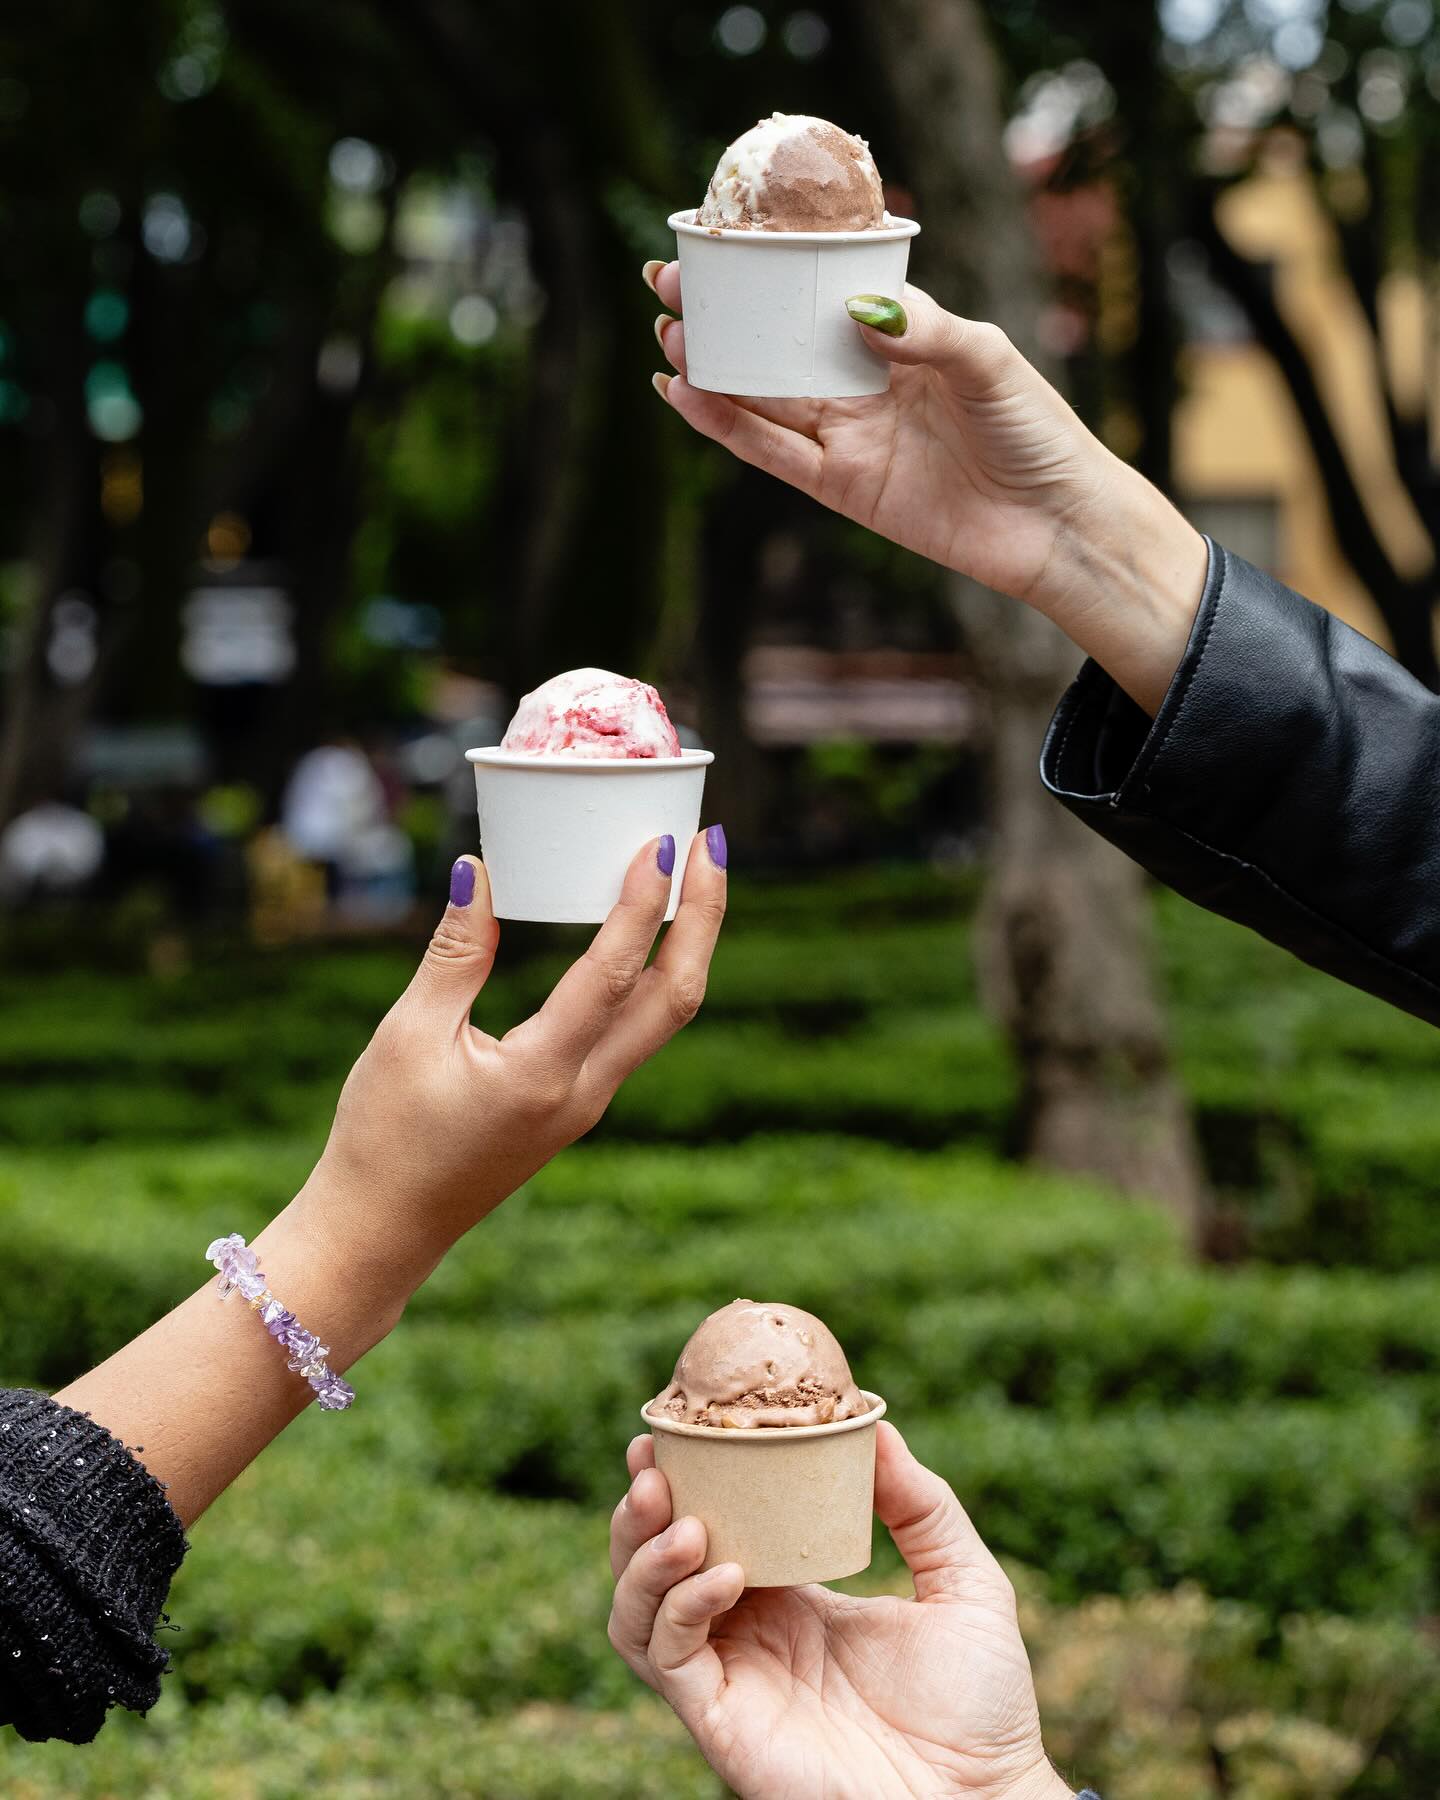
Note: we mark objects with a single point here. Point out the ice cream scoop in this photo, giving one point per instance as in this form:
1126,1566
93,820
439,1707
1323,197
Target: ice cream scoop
792,1504
592,713
794,172
757,1364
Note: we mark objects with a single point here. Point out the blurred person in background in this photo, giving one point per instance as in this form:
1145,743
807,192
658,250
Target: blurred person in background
52,851
337,811
436,1125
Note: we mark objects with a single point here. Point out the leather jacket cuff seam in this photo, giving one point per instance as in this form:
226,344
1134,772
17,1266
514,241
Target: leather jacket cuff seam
1136,781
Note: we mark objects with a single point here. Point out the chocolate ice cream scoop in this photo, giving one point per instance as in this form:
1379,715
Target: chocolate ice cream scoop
793,172
759,1363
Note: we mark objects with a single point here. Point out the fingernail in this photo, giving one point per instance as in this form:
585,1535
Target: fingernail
665,855
713,1578
462,883
878,313
660,325
665,1540
661,385
716,845
649,273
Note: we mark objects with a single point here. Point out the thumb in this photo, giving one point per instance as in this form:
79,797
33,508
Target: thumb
932,1531
459,957
915,329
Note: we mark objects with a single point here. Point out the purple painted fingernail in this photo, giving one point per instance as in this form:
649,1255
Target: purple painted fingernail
462,883
716,845
665,855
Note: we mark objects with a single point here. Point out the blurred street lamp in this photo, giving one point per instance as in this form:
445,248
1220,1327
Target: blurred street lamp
740,30
114,412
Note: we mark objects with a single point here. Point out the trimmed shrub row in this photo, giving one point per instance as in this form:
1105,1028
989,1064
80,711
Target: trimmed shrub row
99,1244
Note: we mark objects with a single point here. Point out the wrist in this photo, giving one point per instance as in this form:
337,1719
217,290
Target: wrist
358,1258
1042,1783
1125,580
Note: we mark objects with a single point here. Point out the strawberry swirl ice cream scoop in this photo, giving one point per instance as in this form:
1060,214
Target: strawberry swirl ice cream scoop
589,771
592,713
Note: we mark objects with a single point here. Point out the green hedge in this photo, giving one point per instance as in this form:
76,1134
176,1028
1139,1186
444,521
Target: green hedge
386,1562
414,1603
830,1010
100,1242
326,1569
333,1747
1170,1336
1283,1506
1186,1697
1167,1695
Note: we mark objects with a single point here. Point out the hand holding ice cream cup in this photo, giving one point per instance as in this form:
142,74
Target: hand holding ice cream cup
793,226
764,1437
796,1689
589,769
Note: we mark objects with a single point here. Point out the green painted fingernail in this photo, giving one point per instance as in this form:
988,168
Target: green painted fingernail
878,313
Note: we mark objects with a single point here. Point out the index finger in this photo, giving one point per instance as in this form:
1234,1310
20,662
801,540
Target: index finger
643,1514
647,1578
594,990
669,993
667,285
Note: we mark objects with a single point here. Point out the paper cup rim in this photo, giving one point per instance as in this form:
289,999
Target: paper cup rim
491,756
761,1434
683,224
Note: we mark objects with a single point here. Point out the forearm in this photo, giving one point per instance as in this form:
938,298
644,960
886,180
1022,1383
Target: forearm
204,1390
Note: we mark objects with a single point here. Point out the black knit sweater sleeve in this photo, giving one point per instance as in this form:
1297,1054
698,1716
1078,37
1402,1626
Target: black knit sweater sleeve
88,1545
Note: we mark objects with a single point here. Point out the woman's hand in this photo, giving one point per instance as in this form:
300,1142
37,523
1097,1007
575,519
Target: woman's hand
439,1121
805,1694
972,458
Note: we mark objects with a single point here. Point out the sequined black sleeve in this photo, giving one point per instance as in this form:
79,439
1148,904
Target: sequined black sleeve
88,1546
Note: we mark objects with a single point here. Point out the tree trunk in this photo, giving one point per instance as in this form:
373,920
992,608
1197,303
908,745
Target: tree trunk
1156,150
586,561
42,720
1064,939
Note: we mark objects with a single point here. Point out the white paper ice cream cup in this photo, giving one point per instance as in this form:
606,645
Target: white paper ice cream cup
765,310
557,833
789,1505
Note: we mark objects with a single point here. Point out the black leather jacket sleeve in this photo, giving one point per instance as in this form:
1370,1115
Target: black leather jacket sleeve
1290,780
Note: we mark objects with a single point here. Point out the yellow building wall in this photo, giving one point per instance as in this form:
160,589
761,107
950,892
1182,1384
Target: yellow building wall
1237,434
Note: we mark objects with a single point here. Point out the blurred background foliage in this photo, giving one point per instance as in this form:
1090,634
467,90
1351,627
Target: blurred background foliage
1218,1485
325,428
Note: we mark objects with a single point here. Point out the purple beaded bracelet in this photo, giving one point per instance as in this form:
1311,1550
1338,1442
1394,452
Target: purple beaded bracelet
238,1274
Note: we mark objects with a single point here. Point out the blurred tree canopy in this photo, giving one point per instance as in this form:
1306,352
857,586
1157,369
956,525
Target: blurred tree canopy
341,303
349,290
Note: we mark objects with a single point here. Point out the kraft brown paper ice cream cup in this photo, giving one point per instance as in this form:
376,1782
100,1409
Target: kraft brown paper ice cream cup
765,310
790,1505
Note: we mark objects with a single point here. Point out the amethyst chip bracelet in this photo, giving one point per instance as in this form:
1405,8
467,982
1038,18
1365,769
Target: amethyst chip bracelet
238,1274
